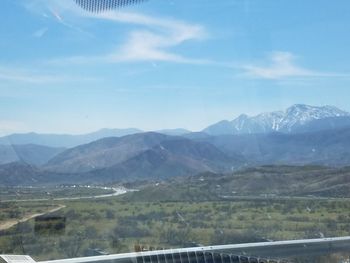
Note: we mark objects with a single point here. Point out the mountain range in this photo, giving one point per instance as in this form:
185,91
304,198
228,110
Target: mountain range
63,140
294,119
133,157
143,155
170,158
325,147
301,135
69,140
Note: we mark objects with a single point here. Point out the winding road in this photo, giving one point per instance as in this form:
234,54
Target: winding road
10,223
116,192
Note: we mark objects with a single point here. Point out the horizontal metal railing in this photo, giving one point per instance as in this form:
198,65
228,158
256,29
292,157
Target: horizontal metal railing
263,252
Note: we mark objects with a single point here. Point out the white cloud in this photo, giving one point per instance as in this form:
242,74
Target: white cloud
283,65
146,45
155,38
152,39
153,43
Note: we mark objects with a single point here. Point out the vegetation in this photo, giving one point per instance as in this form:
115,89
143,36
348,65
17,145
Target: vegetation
208,209
12,213
257,182
115,225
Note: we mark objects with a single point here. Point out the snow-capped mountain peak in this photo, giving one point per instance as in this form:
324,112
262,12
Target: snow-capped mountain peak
281,121
300,114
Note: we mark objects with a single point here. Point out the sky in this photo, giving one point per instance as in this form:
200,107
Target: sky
167,64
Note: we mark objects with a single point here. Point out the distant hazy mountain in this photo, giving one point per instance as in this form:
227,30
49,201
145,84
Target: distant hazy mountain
301,135
196,135
29,153
174,132
295,118
20,174
15,174
326,147
134,151
171,158
104,153
150,156
63,140
146,156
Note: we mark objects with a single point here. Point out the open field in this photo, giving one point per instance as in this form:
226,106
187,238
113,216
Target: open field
115,225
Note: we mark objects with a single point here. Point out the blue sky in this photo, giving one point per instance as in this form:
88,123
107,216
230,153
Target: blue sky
167,63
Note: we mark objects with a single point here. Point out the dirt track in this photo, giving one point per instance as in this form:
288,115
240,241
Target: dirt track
10,223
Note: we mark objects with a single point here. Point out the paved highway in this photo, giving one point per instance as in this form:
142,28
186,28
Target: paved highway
116,192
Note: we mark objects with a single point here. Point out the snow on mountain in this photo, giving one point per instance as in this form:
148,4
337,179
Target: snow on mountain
280,121
299,114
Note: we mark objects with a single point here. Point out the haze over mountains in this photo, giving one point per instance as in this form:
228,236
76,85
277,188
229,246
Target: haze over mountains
301,135
171,157
140,150
63,140
132,157
297,118
326,147
69,140
28,153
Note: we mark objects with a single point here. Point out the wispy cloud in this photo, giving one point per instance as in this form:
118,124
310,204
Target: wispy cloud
40,32
52,9
35,77
152,39
283,65
155,41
